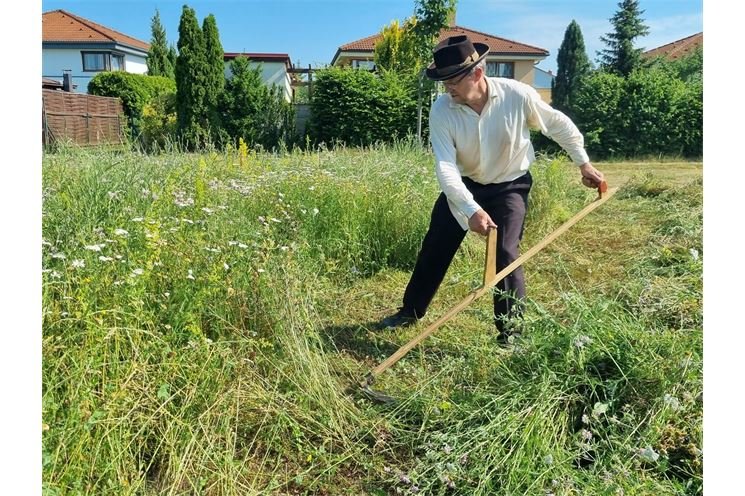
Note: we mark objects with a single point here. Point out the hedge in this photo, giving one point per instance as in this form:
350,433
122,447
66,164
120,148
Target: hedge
135,91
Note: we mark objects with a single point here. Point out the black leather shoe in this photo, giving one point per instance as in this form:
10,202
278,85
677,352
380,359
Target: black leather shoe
403,318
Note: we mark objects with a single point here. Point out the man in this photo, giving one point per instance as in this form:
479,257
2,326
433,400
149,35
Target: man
480,137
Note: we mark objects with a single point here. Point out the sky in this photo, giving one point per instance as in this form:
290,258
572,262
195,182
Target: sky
310,31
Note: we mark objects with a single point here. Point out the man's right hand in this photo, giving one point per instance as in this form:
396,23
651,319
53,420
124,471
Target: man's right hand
480,222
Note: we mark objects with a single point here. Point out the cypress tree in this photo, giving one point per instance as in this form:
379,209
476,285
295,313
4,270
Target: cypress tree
158,61
172,55
572,67
191,75
215,77
621,57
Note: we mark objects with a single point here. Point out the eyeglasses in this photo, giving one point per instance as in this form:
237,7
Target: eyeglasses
455,82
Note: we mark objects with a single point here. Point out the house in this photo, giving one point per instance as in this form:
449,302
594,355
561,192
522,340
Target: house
85,48
275,69
506,58
543,82
677,49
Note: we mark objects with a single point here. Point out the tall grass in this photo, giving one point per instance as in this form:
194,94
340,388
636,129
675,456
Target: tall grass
205,321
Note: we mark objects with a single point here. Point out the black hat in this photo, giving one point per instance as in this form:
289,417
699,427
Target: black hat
454,56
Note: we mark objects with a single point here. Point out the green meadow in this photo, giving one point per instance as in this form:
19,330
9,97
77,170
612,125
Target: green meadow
207,317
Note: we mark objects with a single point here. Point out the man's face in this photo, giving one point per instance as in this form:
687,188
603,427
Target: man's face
463,88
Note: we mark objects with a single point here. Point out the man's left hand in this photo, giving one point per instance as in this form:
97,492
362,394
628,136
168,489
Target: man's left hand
591,177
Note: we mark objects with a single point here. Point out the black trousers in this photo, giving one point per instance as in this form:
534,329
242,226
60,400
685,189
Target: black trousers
507,204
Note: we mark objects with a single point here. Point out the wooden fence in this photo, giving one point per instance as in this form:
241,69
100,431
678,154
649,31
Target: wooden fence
84,119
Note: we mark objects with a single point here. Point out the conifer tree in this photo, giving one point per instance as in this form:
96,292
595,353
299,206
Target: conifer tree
191,79
621,57
572,66
158,60
172,55
215,80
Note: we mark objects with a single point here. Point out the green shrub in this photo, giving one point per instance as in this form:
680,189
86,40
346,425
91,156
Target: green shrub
135,91
358,107
650,113
158,122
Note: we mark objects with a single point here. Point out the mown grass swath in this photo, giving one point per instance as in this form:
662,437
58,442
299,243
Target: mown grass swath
204,316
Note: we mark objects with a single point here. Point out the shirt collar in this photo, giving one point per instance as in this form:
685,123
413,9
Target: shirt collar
491,88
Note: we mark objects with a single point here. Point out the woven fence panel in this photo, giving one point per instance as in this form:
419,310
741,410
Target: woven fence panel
84,119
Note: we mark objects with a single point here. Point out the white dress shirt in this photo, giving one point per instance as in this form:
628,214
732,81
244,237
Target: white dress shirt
493,147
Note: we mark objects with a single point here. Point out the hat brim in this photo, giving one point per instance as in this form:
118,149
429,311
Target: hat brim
481,48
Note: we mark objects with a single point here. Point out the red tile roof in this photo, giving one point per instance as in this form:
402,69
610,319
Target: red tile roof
497,45
677,49
63,27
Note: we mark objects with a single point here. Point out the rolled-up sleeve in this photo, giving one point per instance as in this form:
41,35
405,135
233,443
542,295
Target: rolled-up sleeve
556,125
448,174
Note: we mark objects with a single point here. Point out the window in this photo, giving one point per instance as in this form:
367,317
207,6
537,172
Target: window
500,69
363,64
117,62
102,61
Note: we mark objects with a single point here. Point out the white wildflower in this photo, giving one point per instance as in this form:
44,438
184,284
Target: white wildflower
585,419
188,221
311,188
260,271
113,194
548,459
241,245
137,219
121,232
315,211
648,454
447,449
581,341
672,402
181,200
275,220
284,248
105,259
59,255
208,211
55,275
586,435
137,272
190,275
78,263
226,266
94,247
694,253
232,243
